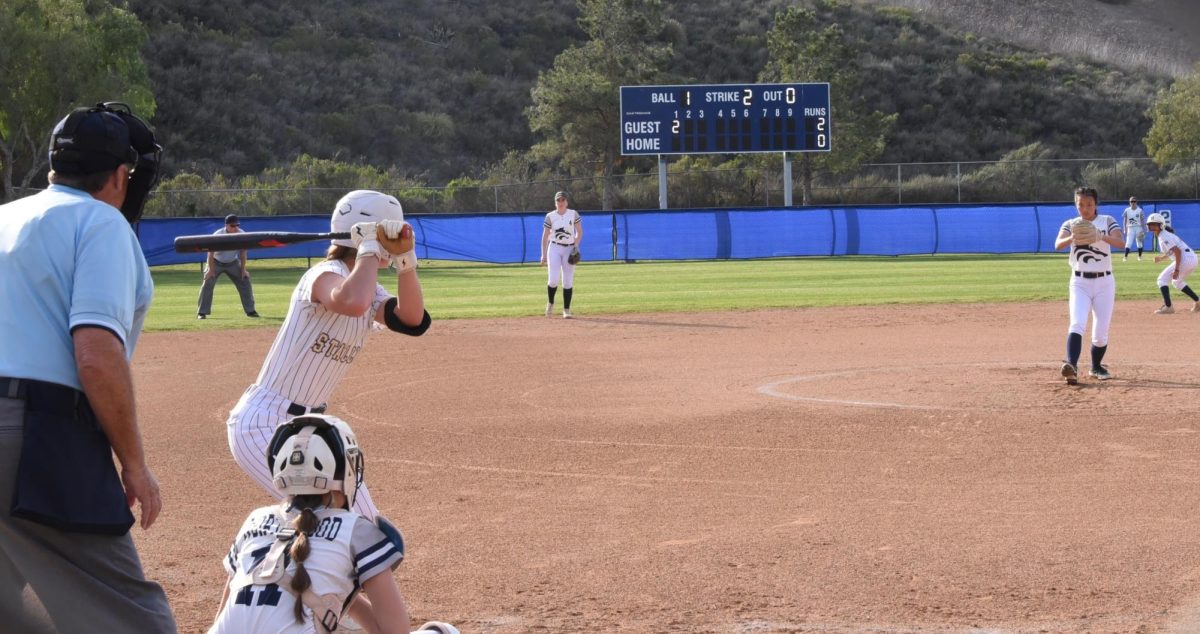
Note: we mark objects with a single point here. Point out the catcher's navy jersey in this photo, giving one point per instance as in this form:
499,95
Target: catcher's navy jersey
345,550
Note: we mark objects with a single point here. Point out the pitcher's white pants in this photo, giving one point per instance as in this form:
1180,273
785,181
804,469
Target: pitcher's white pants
1095,296
250,427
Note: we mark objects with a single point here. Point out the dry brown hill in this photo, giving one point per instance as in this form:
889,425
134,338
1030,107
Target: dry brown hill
1162,36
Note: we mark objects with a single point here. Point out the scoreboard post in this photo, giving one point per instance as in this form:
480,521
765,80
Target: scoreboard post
725,118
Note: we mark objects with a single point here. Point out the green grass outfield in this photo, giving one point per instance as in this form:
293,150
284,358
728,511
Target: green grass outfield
458,290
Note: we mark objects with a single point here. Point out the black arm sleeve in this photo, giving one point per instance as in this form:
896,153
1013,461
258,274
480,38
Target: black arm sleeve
394,324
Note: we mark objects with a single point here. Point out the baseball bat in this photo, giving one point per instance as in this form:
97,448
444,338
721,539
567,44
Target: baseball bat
249,240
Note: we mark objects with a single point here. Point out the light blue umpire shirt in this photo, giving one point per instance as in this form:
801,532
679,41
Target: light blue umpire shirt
66,260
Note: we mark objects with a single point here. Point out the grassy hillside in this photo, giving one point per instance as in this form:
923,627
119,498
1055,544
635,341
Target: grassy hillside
1156,36
435,90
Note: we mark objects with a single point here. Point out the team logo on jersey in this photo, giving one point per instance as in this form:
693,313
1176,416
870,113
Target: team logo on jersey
1087,254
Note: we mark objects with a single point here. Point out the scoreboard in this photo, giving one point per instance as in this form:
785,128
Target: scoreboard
725,118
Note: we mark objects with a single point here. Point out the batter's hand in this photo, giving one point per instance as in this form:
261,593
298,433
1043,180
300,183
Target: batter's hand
142,487
362,231
543,262
392,228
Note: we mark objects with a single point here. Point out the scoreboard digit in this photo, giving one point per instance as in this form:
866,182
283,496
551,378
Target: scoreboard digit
725,118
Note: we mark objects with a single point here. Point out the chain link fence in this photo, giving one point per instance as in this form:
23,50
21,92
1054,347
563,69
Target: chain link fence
1021,181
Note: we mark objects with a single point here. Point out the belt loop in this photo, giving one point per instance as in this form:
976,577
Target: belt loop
14,386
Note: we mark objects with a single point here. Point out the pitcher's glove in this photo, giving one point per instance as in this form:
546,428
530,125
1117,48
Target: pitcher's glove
1083,232
575,256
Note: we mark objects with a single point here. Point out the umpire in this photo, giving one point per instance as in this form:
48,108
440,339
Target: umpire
75,289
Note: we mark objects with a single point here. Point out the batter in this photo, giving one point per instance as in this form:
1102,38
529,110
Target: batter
1093,288
335,305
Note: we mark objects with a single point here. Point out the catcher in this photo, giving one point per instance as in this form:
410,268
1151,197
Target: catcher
1093,288
299,566
562,233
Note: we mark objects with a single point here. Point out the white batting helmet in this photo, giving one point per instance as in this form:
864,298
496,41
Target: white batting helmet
362,205
315,454
1156,218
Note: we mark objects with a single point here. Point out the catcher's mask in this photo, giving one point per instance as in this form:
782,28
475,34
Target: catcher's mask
362,205
315,454
103,137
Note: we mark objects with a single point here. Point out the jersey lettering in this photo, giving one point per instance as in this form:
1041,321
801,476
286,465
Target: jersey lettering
329,528
334,349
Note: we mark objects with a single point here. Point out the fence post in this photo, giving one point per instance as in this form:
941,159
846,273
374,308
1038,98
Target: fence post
899,187
958,179
496,197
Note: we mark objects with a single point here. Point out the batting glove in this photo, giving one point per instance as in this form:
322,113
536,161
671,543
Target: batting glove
392,228
362,231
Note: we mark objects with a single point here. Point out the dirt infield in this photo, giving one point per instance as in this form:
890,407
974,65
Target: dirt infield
882,469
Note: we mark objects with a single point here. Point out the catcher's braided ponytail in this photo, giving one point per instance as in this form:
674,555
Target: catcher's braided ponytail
304,524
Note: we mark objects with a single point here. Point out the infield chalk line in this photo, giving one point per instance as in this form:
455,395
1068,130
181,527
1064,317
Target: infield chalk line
771,389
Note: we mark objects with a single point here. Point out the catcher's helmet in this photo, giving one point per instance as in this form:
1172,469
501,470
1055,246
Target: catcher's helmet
1156,218
315,454
362,205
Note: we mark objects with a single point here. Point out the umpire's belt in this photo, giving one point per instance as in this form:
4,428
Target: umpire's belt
1090,275
296,409
51,396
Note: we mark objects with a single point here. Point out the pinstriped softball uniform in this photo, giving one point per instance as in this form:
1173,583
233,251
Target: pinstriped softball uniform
310,355
315,345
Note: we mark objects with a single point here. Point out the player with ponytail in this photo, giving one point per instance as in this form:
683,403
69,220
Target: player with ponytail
1182,259
298,566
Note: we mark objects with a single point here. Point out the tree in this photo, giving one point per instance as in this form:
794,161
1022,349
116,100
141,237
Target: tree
576,104
59,54
801,52
1175,132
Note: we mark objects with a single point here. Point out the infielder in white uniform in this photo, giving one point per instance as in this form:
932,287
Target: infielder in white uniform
1093,288
562,232
1183,262
1134,219
298,566
332,309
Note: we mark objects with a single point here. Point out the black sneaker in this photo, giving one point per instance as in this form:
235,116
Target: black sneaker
1070,374
1100,373
201,316
253,313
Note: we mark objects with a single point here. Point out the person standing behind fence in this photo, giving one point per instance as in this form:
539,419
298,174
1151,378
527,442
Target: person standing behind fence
562,233
1183,262
75,289
231,263
1134,218
1093,289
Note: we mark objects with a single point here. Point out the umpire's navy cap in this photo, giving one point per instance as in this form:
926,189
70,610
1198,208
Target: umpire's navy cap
231,219
90,140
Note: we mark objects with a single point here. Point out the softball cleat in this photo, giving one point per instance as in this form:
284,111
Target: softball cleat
1070,374
1165,310
567,314
1100,373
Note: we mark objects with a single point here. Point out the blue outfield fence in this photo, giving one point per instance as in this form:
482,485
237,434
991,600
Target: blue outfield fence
701,234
